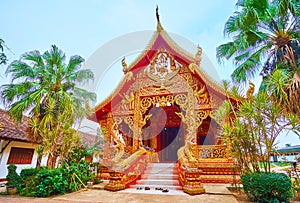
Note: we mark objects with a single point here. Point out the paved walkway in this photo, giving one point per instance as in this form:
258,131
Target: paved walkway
116,197
215,193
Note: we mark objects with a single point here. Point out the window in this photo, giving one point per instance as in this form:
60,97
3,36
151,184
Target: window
20,156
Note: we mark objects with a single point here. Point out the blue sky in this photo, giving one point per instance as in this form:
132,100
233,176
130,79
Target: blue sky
80,27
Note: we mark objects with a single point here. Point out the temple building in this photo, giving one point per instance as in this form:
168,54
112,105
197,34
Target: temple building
161,111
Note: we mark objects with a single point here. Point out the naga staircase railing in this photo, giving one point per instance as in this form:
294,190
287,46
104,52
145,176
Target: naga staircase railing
205,164
128,171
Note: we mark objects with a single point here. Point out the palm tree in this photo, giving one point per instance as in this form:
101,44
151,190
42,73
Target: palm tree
265,31
46,88
3,58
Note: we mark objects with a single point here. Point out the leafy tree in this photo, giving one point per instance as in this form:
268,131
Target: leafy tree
266,31
251,127
262,29
47,88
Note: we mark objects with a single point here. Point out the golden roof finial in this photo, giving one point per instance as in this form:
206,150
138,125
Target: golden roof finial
198,55
124,64
159,27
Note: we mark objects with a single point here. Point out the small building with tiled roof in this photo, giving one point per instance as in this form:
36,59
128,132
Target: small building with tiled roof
292,150
10,130
19,148
287,154
16,145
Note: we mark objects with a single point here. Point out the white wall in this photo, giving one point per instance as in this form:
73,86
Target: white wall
289,158
5,155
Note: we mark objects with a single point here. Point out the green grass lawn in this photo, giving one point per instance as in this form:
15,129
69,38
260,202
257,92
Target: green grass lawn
280,164
276,164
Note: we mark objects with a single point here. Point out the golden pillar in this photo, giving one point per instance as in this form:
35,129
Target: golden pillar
136,120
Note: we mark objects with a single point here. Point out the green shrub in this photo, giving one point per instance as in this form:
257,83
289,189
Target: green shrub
12,178
69,177
28,176
267,187
93,177
51,182
76,174
76,168
28,172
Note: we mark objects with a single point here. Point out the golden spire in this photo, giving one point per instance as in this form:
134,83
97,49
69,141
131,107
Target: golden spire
159,27
198,55
124,64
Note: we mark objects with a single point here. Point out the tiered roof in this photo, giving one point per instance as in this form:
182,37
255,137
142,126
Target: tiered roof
159,41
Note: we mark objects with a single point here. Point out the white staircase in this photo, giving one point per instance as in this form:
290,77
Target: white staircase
159,175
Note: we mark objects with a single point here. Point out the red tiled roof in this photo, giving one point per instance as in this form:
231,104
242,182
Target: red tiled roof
11,130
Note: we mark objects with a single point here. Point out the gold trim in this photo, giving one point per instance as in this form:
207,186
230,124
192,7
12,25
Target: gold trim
115,92
207,80
143,54
176,48
1,126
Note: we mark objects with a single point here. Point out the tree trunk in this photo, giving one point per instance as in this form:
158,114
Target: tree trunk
51,163
297,77
39,161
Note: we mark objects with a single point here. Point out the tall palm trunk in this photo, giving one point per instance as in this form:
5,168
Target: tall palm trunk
39,161
293,91
297,78
39,156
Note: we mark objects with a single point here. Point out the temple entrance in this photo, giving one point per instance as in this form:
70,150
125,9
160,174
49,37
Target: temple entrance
170,140
163,132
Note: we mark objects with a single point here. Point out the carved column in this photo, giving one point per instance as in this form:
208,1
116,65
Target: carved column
153,142
109,124
103,126
136,119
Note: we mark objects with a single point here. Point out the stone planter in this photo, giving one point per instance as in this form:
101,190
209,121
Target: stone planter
11,191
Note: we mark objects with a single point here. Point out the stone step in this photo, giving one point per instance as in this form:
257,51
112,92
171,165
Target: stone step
162,164
157,182
160,172
152,187
161,168
160,176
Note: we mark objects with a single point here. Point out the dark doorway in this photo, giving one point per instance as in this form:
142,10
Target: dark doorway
170,141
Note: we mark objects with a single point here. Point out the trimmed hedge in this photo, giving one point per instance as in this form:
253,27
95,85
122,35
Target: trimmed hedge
13,179
267,187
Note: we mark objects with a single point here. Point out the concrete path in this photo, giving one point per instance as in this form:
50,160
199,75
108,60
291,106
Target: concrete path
215,193
116,197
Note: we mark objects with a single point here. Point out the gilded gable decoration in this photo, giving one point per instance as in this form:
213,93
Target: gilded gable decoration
162,68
